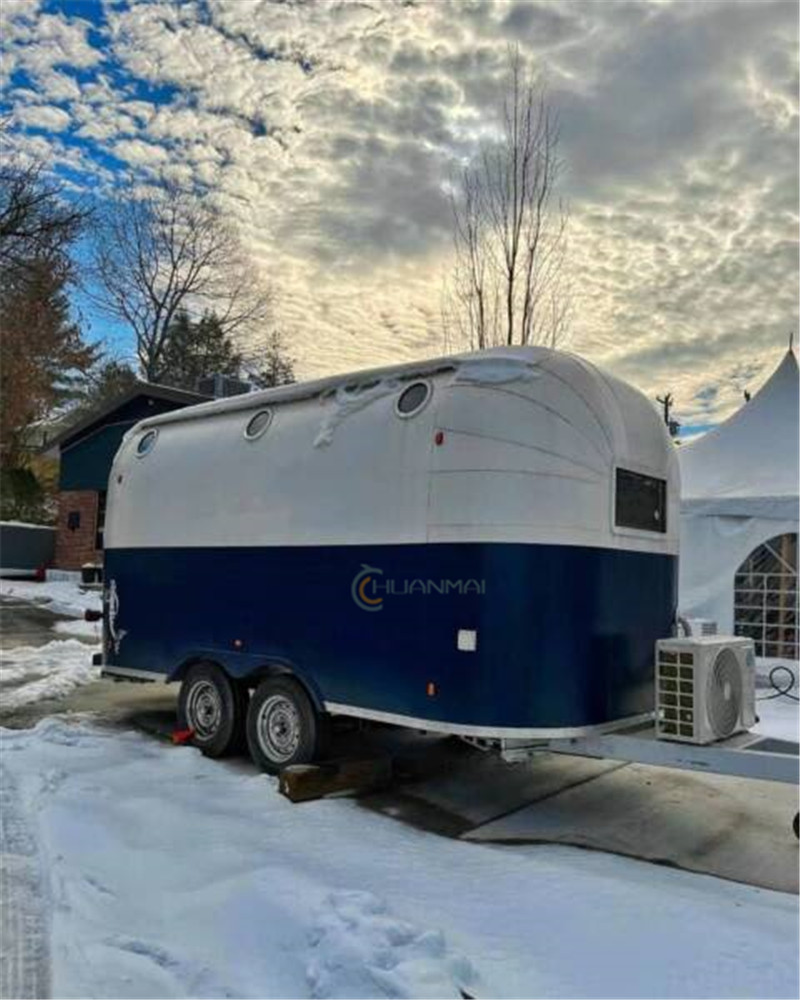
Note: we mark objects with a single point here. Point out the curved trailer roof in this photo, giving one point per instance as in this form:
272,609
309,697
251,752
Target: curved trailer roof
532,437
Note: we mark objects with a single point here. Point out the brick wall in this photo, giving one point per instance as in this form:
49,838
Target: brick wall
75,546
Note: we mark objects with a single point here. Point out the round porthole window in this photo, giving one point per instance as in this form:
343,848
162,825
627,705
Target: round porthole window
146,442
257,424
413,399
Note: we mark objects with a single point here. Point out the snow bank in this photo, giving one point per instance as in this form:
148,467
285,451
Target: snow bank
63,597
77,626
171,875
26,524
32,673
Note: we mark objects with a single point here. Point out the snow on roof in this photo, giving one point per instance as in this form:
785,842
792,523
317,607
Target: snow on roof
751,459
498,364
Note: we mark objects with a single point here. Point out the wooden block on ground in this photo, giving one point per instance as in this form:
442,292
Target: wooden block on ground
305,782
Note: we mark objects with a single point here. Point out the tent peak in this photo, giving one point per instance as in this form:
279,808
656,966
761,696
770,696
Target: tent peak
754,453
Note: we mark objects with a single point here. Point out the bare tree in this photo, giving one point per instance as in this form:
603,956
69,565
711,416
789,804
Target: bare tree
166,252
36,221
509,283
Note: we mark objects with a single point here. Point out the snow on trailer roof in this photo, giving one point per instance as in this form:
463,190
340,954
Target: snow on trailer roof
500,364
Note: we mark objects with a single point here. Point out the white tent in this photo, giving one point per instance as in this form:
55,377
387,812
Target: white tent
739,489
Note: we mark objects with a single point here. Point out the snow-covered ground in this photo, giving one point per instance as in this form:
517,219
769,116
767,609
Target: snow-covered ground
170,875
63,597
135,869
33,673
84,629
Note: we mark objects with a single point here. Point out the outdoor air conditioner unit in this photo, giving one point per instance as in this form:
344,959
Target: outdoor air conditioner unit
705,688
701,626
222,386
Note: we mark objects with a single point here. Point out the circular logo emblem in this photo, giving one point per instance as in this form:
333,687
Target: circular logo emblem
360,589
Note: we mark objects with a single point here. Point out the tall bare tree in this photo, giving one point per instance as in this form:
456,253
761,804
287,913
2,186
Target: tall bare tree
166,252
509,283
37,221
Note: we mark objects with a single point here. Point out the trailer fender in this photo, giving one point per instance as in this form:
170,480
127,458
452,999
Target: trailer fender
251,672
275,669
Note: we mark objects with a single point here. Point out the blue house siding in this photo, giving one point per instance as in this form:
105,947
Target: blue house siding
86,465
86,459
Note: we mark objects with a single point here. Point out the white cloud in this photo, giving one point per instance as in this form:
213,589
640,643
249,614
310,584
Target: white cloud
328,131
43,116
140,154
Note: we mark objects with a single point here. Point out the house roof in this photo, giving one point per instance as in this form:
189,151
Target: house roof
101,415
751,458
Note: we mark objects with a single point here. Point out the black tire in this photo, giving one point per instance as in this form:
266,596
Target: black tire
796,825
215,708
283,727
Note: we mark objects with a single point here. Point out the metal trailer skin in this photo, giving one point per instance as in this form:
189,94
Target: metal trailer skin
456,569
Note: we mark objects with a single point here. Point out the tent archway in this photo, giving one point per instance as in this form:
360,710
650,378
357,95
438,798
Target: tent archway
765,597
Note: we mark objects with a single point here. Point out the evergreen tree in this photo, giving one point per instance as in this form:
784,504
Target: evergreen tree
272,365
106,381
193,350
43,357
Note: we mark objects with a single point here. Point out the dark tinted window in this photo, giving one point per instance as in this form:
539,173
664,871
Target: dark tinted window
641,502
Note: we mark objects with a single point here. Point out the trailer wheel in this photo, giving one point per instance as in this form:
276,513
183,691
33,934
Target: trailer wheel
214,708
796,825
283,727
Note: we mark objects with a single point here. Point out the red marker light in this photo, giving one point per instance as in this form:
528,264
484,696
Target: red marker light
439,437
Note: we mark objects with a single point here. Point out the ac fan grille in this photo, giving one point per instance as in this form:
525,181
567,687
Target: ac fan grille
724,694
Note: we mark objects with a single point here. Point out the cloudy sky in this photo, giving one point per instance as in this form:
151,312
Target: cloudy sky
329,130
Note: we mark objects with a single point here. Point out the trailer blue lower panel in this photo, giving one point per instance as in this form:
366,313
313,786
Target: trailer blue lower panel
564,634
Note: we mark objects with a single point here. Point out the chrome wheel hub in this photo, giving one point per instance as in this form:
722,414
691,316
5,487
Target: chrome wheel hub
278,726
204,709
